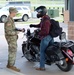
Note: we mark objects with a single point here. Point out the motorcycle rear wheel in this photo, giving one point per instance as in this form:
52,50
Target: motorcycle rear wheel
66,66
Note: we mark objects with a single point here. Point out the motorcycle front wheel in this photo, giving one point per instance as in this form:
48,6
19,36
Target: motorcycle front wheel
26,53
65,66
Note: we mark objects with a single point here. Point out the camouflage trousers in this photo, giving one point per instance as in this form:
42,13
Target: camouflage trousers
12,49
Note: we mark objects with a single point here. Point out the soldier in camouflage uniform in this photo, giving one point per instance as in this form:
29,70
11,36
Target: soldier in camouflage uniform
11,37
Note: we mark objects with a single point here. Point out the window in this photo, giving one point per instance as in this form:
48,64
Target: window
25,8
5,8
18,8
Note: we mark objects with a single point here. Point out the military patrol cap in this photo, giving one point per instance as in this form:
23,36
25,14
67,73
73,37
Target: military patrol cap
12,9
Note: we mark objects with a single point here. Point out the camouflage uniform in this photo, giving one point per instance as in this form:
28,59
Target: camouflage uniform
11,37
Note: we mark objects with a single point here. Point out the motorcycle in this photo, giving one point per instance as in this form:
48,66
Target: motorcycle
61,53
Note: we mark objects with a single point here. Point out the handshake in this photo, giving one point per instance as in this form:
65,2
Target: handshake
21,30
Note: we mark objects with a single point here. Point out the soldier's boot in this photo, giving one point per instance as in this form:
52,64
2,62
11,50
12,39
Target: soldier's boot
13,68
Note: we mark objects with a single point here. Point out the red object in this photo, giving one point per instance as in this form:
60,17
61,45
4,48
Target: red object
45,26
70,52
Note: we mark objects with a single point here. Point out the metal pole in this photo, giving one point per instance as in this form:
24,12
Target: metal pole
66,5
71,10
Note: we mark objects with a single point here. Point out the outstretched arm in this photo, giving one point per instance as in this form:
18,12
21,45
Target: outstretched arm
36,26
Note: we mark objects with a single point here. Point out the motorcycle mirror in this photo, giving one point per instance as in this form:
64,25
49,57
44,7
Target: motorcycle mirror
62,36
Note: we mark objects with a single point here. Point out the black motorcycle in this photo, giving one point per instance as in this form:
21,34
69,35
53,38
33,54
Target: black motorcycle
61,53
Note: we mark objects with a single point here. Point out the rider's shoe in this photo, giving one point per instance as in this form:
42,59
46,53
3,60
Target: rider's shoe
40,69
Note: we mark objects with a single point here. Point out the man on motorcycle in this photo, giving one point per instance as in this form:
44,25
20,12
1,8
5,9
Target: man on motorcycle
44,35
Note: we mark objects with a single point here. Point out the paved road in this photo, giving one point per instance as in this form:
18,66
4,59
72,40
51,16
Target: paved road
28,68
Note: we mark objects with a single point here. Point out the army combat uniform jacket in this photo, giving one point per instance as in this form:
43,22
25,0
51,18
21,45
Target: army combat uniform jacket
11,37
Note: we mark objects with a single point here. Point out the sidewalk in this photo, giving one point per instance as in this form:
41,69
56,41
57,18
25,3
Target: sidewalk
6,71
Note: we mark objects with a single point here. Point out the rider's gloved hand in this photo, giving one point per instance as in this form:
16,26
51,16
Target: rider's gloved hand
36,32
31,25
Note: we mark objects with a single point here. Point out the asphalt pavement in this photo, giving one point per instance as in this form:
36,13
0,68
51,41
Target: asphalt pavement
27,68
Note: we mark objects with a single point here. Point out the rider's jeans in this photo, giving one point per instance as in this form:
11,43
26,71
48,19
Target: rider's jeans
43,45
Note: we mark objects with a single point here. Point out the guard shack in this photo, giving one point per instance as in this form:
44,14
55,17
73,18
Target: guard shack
69,17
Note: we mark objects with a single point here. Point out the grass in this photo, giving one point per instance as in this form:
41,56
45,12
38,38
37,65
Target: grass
30,21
